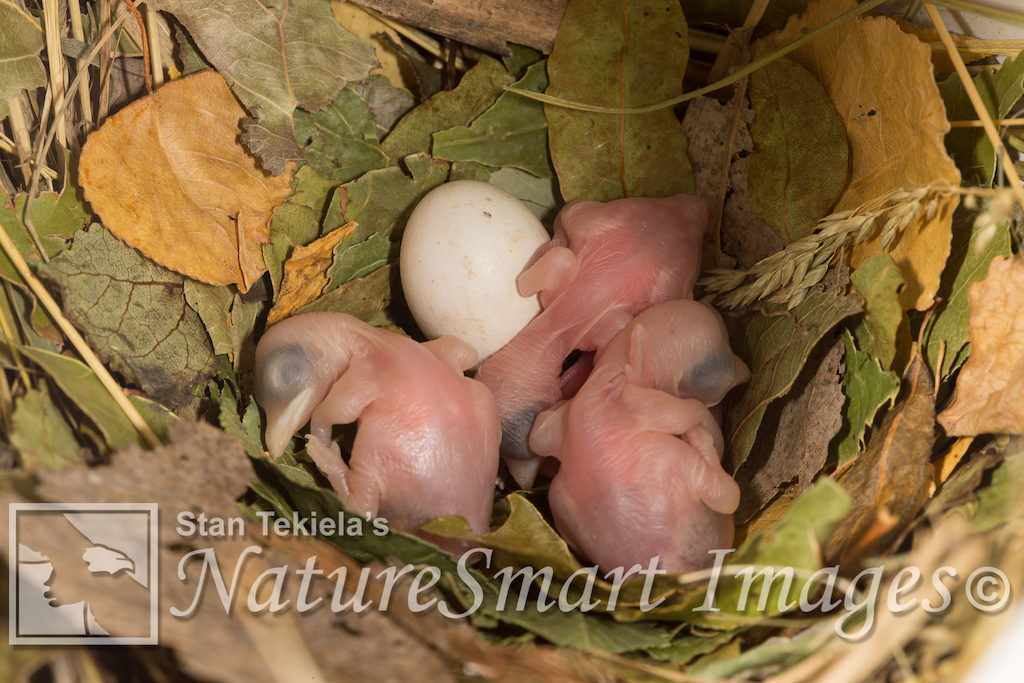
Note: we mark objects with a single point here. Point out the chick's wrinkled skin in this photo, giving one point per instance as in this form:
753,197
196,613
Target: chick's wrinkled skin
427,438
605,264
640,475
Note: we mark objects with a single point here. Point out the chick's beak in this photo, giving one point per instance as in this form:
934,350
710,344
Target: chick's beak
284,421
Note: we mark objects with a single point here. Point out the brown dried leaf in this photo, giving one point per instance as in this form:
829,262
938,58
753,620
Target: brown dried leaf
167,175
306,273
989,396
881,83
805,422
717,134
889,481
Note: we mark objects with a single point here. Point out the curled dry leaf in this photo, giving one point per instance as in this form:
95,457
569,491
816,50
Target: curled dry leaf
167,175
306,273
889,481
989,396
881,82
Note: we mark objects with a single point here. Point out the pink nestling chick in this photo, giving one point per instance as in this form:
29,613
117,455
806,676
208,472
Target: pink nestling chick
640,472
606,263
427,438
686,351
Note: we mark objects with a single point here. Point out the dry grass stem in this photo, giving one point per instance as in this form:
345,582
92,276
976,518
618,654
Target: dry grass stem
979,105
786,276
106,63
981,124
985,10
55,60
78,33
156,61
430,45
12,342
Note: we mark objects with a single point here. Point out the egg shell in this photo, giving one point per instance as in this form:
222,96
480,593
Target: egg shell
463,247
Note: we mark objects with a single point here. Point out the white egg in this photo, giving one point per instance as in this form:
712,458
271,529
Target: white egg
463,247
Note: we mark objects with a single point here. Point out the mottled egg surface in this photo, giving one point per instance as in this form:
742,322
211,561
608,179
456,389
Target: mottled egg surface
463,247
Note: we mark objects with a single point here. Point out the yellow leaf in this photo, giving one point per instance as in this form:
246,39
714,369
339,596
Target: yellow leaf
989,396
167,176
306,273
881,83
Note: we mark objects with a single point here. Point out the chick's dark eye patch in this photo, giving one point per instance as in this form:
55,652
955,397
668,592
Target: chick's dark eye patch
285,370
711,376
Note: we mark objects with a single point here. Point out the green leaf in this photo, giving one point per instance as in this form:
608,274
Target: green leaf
512,133
84,389
133,314
682,650
277,57
946,333
479,88
41,434
867,387
192,60
625,54
21,40
387,103
769,657
520,58
340,141
878,281
538,194
585,631
1002,495
380,202
970,147
227,316
801,160
775,345
297,221
56,217
525,535
959,490
247,429
366,298
798,537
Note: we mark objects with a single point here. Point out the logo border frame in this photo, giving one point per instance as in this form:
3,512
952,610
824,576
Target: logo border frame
154,545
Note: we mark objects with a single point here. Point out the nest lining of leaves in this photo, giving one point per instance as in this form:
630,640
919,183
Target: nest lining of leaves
878,299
